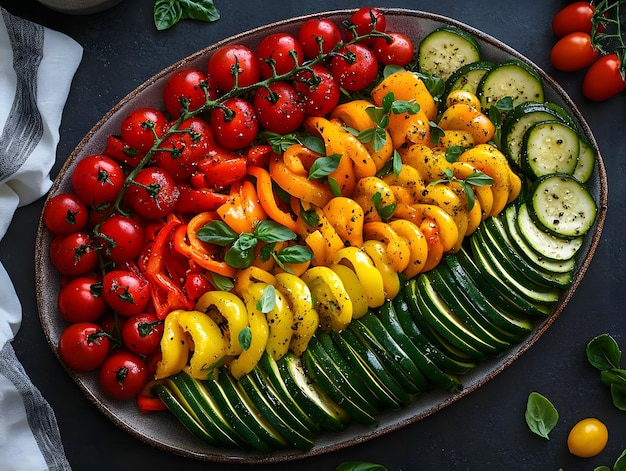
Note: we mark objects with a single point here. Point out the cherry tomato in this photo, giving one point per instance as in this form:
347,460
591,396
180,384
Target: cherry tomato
142,333
97,179
80,300
235,126
121,238
123,375
573,52
65,213
587,438
279,48
366,20
225,58
316,31
603,80
112,324
83,346
278,108
73,254
183,150
575,17
154,195
398,50
355,67
222,171
319,96
187,89
196,284
127,293
139,127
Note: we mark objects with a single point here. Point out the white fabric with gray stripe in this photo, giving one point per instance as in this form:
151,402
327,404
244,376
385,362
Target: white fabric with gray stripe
36,69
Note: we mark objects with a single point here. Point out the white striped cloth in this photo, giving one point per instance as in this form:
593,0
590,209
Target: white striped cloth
36,69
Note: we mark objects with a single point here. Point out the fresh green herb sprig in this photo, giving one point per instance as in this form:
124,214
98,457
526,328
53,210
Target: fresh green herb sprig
603,354
608,26
476,178
169,12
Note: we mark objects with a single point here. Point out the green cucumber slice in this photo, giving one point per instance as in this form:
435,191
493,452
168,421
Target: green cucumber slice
549,147
512,78
445,50
586,162
468,76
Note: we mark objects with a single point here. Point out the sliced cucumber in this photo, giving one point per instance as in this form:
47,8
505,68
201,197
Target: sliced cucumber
562,206
468,76
512,78
445,50
549,147
586,162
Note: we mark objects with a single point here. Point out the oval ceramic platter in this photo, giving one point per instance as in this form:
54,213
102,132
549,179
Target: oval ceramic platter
162,430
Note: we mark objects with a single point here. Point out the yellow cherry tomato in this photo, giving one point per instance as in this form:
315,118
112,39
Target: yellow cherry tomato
587,438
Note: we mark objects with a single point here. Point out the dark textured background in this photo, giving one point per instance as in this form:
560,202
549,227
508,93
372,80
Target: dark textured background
483,431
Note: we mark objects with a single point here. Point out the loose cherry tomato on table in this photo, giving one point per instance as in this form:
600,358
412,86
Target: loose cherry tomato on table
573,52
65,213
398,49
280,49
123,375
80,300
224,59
366,20
354,67
587,438
575,17
187,89
153,194
142,333
74,254
121,238
140,127
319,95
235,126
278,108
97,179
318,34
83,346
126,293
603,79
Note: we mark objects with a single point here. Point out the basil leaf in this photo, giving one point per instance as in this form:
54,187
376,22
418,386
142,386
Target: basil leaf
541,416
360,466
602,468
620,464
375,113
315,144
453,153
278,142
167,13
335,189
241,254
401,106
603,352
613,376
203,10
388,101
270,231
309,216
324,166
218,233
477,178
221,282
367,135
396,163
267,302
266,252
245,337
295,254
618,393
391,69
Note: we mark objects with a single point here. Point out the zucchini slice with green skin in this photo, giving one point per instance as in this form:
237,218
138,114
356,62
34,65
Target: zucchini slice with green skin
512,78
586,162
468,76
445,50
545,244
519,119
562,206
549,147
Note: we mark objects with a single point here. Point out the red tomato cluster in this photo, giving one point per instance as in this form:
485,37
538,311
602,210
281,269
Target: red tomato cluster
575,51
119,236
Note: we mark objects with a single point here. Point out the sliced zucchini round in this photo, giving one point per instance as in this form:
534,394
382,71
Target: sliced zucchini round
445,50
512,78
562,206
549,147
586,162
468,76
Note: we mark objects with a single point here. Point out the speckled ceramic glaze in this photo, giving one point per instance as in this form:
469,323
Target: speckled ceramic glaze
162,430
79,7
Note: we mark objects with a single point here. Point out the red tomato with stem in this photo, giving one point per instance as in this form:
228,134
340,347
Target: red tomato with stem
65,213
278,108
354,67
280,49
187,89
97,179
83,346
80,300
126,293
142,333
398,49
366,20
121,238
141,126
318,35
603,79
74,254
153,193
575,17
123,375
230,61
235,126
319,93
573,52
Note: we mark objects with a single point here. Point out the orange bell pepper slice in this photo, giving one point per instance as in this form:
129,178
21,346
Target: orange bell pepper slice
267,199
243,210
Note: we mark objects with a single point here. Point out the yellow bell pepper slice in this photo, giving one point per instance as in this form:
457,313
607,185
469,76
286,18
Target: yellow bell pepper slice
456,138
279,322
406,129
332,301
515,186
464,117
418,246
441,195
364,193
354,288
463,96
369,277
347,218
305,317
483,194
248,276
417,213
224,306
398,253
430,164
377,251
174,347
406,86
409,178
209,345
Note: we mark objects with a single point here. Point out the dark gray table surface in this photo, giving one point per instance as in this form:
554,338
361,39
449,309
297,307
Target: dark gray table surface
483,431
